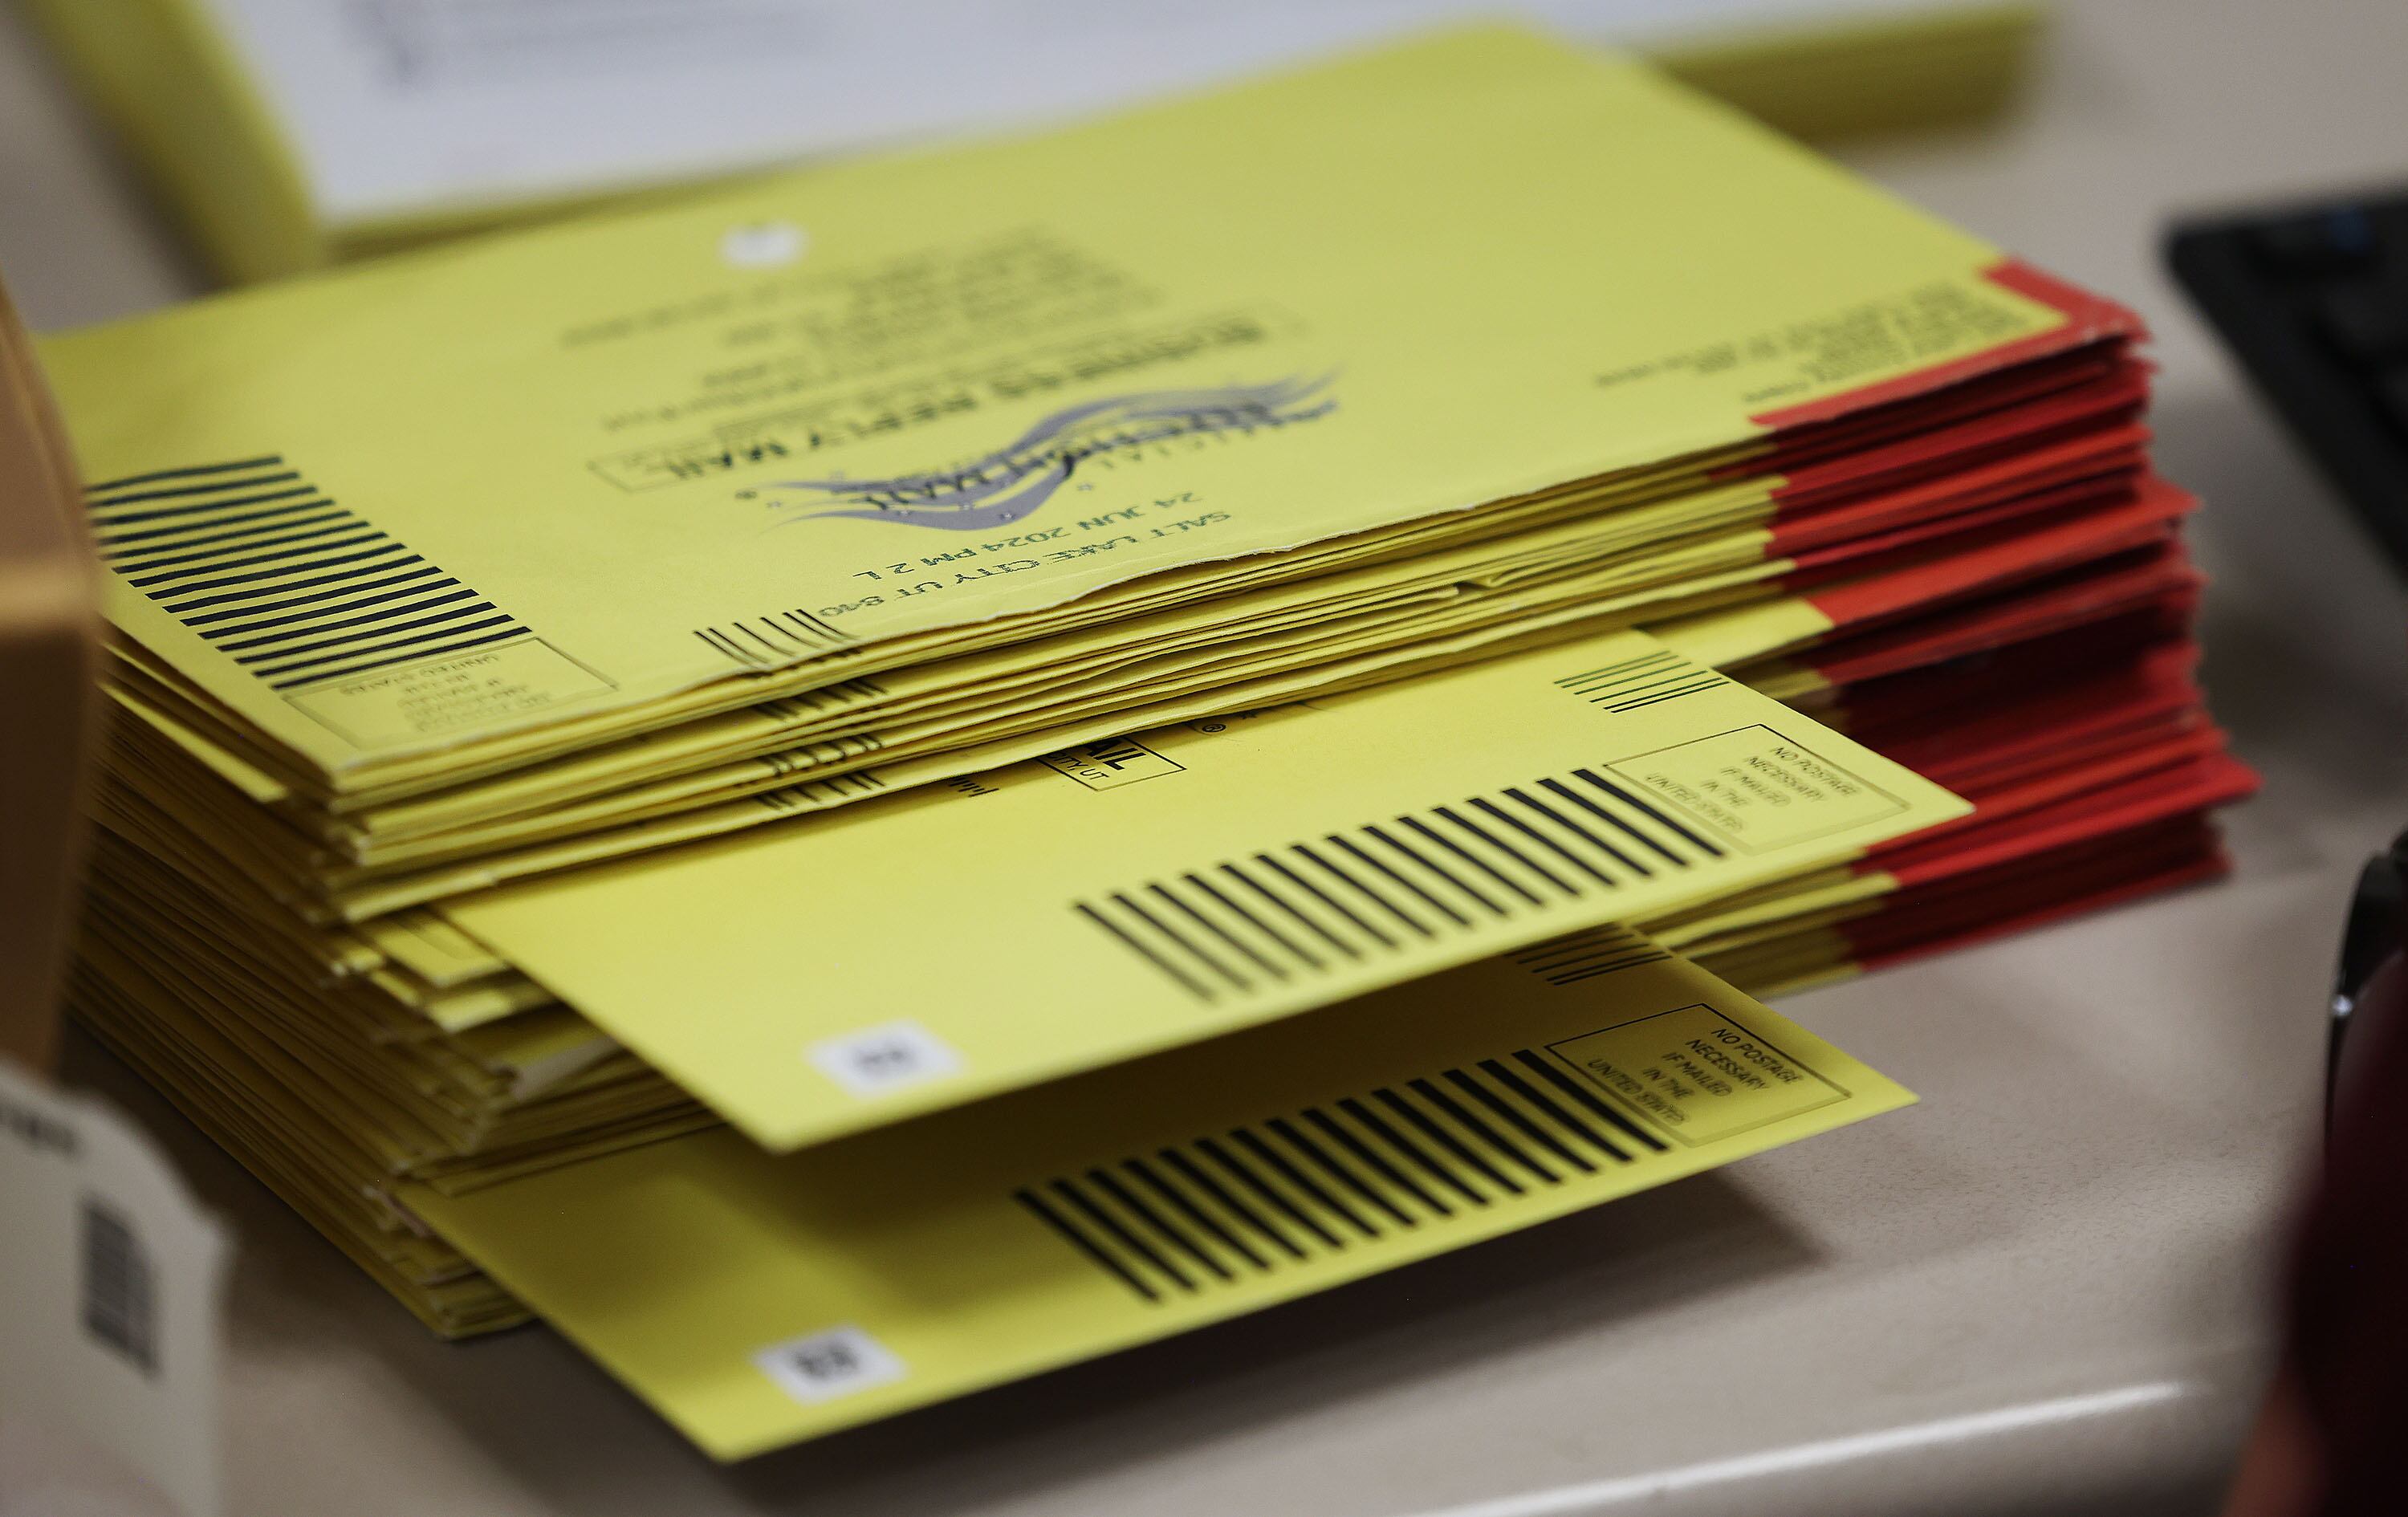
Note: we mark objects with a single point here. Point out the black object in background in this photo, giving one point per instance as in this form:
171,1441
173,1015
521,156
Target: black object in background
2314,304
2368,982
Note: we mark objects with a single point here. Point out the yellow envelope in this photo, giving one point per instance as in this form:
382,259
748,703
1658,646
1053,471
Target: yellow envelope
756,1300
951,942
580,472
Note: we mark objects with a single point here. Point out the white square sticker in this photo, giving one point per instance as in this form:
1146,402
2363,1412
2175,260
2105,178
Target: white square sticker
884,1058
824,1366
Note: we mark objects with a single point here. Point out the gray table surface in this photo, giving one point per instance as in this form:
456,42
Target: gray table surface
2042,1291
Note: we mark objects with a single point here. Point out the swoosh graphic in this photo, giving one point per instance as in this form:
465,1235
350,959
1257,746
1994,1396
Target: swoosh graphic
999,488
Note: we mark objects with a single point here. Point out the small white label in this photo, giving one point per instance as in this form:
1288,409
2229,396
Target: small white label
110,1323
884,1058
824,1366
763,244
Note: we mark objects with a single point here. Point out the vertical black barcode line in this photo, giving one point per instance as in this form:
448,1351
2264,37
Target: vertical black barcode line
305,619
172,589
813,623
782,637
1314,891
1378,1125
1383,866
1429,1128
118,497
1414,922
1471,1122
128,549
1374,831
1613,689
1637,693
787,636
274,666
156,569
1311,1189
179,607
1329,1164
1450,814
1045,1213
1483,804
1236,979
1374,1160
1234,872
815,793
1177,1238
1188,1170
775,652
1546,1103
1271,1196
1522,796
717,643
1636,804
1575,798
188,471
201,508
1253,956
1416,824
1186,1205
1258,923
1617,696
1199,988
1608,935
1616,967
1577,956
367,619
1611,671
360,534
1709,682
1118,1232
1559,956
1518,1120
1588,1101
770,652
120,1291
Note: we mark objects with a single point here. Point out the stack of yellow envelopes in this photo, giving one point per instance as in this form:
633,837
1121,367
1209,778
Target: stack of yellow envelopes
1120,705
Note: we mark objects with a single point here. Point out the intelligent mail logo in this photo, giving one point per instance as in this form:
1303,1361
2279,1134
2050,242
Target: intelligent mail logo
1001,487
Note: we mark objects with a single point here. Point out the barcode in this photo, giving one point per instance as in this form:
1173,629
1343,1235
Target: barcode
818,701
1646,680
1589,953
120,1291
1517,855
1360,1171
763,642
291,586
818,794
